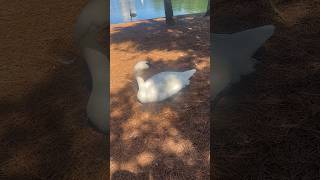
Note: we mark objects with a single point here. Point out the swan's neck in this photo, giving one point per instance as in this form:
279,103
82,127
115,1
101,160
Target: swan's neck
140,81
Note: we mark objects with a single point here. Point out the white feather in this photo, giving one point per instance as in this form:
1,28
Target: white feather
162,85
93,14
89,21
232,56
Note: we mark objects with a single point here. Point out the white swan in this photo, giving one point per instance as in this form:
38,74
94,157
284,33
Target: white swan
94,13
91,19
141,66
232,56
162,85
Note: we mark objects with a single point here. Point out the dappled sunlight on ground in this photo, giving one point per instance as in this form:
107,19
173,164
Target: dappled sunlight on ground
270,131
44,132
162,140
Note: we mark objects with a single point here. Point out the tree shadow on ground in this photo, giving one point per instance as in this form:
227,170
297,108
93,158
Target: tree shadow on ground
45,135
120,175
166,140
183,36
271,131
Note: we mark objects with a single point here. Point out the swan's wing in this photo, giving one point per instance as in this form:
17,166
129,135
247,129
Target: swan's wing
238,48
231,54
170,75
188,74
164,81
165,84
169,78
247,43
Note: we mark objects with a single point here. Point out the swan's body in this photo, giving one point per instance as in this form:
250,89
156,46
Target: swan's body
232,55
93,14
162,85
90,20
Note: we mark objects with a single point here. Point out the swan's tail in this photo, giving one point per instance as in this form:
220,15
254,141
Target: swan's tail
246,44
250,40
189,73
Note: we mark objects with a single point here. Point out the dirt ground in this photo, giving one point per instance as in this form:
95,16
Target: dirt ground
43,130
171,139
267,127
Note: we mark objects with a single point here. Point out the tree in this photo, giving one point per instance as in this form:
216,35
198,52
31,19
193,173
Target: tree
168,12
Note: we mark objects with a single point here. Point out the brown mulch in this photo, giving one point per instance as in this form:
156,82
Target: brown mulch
43,96
271,128
167,140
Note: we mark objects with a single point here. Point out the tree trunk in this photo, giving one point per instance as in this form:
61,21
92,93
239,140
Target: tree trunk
208,9
168,12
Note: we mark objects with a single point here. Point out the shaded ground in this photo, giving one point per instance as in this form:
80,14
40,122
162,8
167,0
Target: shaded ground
271,130
168,140
43,130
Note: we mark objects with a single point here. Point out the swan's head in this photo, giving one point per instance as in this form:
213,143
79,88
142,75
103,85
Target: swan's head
141,66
